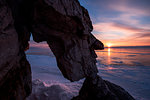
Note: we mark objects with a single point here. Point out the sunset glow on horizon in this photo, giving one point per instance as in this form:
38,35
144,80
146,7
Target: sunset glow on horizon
127,24
109,45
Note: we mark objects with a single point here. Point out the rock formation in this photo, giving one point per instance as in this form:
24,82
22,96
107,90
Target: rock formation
15,72
99,89
66,26
67,29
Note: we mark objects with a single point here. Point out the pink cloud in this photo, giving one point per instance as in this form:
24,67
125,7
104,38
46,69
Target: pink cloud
124,7
121,34
41,45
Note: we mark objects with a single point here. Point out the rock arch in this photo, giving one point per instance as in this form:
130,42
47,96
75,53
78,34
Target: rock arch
66,26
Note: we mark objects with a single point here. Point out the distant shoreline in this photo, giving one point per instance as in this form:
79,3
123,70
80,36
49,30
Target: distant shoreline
128,47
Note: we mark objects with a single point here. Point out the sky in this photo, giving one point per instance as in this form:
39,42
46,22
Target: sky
120,22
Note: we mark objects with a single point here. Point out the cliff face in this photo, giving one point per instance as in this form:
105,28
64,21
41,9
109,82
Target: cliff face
15,73
66,26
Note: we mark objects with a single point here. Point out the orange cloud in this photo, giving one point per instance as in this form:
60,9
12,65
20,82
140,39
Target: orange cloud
121,34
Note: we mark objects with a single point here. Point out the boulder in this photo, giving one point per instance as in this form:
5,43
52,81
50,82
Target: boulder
99,89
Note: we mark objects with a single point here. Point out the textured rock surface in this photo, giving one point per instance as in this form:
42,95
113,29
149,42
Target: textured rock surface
22,16
99,89
66,27
15,73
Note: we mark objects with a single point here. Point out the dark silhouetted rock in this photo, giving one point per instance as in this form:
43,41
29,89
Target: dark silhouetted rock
99,89
15,73
66,27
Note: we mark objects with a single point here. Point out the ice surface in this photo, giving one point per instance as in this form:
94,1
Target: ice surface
48,81
129,70
53,90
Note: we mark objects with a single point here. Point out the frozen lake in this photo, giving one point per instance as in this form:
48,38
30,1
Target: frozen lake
127,67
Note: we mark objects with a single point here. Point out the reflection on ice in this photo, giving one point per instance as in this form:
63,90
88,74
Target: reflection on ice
107,68
127,67
109,52
124,56
109,60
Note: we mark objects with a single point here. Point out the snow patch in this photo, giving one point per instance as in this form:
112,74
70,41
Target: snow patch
52,91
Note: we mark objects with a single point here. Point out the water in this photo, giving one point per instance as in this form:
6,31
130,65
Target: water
128,67
130,56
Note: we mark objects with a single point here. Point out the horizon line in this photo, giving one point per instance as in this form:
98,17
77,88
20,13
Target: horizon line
126,46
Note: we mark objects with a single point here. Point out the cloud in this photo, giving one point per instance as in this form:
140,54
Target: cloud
145,35
110,30
120,21
131,28
134,7
142,35
122,34
130,9
108,27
